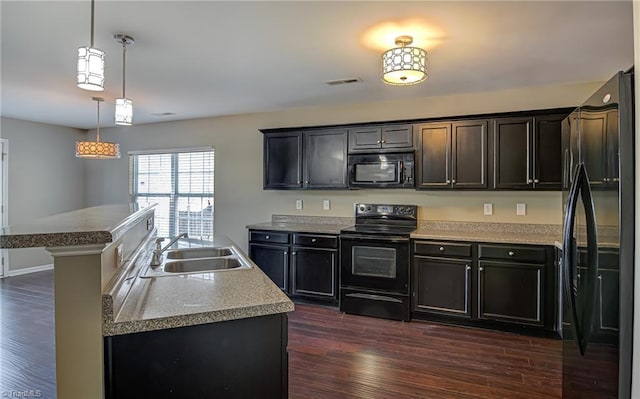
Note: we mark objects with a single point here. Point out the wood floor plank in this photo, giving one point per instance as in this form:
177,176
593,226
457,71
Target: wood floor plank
331,355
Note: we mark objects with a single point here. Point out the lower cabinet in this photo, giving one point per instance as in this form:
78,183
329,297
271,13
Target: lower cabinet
303,265
236,359
485,285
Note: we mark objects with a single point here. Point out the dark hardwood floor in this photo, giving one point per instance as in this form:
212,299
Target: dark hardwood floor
331,355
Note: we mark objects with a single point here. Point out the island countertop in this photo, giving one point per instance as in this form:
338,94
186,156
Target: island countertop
156,303
95,225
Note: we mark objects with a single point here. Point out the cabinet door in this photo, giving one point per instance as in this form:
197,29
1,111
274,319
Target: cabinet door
365,139
442,286
469,154
400,137
273,260
612,150
511,292
548,154
434,159
325,155
282,160
512,140
314,272
593,136
608,302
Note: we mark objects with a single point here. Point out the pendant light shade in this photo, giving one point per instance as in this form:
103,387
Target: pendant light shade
402,66
97,149
91,64
124,106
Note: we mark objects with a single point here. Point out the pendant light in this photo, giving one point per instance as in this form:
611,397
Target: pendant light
124,106
403,65
97,149
91,64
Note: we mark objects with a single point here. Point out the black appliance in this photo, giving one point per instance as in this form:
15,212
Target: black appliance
381,170
598,244
374,261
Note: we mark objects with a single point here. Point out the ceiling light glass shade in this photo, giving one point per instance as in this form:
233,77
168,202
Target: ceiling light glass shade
404,66
90,68
97,149
124,111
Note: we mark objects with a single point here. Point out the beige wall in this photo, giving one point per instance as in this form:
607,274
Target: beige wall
240,200
44,178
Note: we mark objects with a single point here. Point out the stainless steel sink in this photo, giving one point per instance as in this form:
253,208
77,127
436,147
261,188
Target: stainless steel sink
191,253
201,265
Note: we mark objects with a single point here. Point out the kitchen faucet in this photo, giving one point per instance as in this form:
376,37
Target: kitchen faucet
156,259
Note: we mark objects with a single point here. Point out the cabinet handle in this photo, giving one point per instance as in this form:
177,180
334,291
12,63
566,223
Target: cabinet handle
298,182
448,181
384,141
468,267
599,276
314,240
293,253
267,237
615,179
481,269
453,181
286,253
441,248
529,181
306,182
379,142
536,181
605,179
511,253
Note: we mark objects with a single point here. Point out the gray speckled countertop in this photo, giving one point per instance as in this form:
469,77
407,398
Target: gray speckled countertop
157,303
507,233
305,224
95,225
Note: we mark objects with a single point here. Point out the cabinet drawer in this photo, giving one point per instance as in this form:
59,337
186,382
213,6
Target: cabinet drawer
314,240
269,236
512,252
442,248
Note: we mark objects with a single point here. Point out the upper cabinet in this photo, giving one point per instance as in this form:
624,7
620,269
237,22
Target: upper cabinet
598,146
377,138
453,155
314,159
527,152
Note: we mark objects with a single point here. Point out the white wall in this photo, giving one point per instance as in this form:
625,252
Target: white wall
240,200
45,178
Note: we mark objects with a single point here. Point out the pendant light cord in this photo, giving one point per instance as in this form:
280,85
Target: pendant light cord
124,55
98,125
92,13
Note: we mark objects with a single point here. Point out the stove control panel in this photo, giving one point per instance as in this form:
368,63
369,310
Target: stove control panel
386,210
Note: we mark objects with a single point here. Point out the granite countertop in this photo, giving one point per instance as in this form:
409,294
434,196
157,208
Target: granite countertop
95,225
305,224
507,233
156,303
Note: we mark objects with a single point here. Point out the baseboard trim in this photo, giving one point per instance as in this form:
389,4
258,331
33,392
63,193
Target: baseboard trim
27,270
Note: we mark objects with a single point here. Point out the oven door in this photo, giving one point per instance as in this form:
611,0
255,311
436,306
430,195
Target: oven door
375,263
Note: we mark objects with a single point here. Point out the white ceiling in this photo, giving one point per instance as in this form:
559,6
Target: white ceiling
210,58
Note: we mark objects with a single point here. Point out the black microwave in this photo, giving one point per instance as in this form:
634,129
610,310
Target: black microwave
381,170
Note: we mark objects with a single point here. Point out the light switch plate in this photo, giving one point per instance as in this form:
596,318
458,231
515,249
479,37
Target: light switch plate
326,205
488,209
298,204
521,209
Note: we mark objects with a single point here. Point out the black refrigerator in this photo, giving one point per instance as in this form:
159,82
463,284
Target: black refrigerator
598,243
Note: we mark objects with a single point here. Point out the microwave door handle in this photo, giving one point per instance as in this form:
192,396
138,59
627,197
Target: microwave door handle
401,173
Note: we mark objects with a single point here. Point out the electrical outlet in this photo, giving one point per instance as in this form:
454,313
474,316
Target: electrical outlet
521,209
488,209
326,205
298,204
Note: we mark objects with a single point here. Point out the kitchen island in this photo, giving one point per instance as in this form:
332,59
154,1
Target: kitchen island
101,300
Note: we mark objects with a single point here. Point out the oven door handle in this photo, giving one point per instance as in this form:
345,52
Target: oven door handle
358,237
374,297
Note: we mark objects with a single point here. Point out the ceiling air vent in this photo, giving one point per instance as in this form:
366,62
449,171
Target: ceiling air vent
342,81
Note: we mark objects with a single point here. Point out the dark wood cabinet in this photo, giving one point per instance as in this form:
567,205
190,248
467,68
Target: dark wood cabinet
325,159
453,155
237,359
282,161
441,285
306,160
598,146
528,152
270,251
374,138
305,266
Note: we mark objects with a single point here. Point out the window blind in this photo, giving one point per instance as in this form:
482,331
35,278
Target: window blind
182,184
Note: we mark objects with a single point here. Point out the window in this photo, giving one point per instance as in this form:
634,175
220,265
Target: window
181,183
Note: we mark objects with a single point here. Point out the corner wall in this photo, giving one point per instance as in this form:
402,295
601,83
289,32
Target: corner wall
45,178
240,199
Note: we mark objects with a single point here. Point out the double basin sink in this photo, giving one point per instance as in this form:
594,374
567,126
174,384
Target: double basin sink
197,260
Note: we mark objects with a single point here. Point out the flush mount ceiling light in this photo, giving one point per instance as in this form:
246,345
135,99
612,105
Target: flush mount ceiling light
91,64
124,106
97,149
404,65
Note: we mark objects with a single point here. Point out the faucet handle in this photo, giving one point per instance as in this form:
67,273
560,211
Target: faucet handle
159,242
